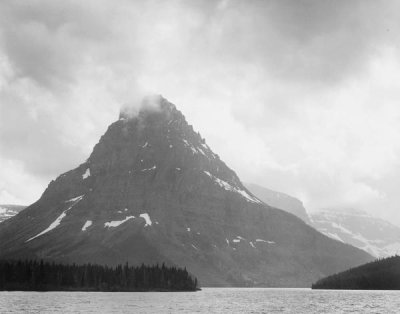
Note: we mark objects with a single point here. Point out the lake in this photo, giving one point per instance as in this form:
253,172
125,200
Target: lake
209,300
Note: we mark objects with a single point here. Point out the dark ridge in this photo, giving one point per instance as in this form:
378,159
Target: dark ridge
32,275
382,274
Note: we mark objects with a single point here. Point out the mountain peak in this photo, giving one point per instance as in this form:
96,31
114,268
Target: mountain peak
157,136
150,104
153,191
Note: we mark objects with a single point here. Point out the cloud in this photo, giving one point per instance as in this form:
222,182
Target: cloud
307,90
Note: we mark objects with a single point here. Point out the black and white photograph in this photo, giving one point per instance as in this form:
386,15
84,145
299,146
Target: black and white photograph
199,156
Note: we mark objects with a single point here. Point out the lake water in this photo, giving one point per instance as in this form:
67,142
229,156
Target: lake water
209,300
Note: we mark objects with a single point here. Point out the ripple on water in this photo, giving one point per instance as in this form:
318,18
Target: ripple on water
209,300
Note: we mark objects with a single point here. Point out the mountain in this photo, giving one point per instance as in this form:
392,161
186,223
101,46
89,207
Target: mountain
153,191
378,237
374,235
382,274
8,211
280,200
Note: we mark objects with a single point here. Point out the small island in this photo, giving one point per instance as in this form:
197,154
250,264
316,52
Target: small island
33,275
382,274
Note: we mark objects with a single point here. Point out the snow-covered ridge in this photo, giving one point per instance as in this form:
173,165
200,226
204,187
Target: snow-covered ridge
208,149
204,149
57,222
374,235
194,151
225,185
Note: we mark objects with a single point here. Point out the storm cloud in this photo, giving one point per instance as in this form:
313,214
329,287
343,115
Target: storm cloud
298,96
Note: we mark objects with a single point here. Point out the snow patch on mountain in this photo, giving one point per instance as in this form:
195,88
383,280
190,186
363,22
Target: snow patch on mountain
333,236
86,174
75,199
146,217
57,222
201,151
265,241
186,142
225,185
116,223
87,225
192,148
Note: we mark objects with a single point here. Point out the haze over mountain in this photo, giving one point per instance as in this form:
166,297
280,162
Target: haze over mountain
280,200
378,237
153,191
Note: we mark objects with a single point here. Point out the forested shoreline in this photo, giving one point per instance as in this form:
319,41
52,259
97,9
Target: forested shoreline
34,275
382,274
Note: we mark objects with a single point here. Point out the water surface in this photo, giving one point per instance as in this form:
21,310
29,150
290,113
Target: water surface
209,300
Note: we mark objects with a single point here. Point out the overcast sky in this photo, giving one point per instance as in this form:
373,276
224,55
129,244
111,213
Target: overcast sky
299,96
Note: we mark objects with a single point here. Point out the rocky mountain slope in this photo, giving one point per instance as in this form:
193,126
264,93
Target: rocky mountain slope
374,235
8,211
280,200
153,191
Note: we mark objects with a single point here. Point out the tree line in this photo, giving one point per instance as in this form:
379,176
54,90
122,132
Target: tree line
34,275
382,274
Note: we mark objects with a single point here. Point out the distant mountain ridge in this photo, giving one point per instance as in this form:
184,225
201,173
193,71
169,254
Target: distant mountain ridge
378,237
7,211
280,200
153,191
